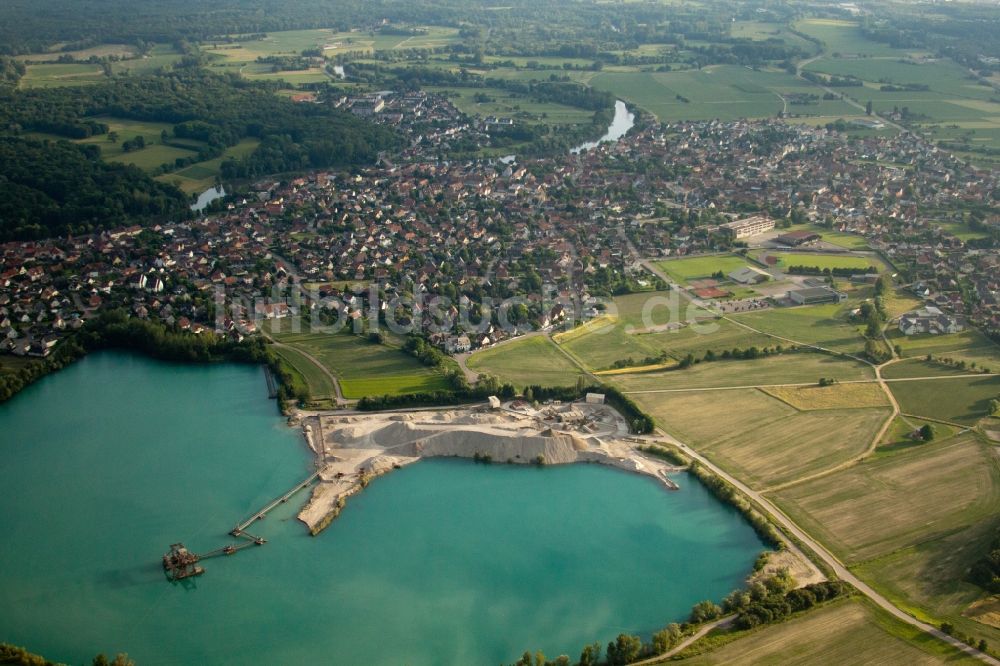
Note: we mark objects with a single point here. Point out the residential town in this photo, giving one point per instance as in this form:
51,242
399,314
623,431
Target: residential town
477,229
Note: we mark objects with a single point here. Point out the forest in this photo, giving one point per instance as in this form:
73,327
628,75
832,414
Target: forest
43,197
55,188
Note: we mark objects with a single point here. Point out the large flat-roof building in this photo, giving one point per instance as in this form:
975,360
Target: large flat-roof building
750,226
796,238
749,275
815,295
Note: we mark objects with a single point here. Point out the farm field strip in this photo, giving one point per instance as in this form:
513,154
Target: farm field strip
897,501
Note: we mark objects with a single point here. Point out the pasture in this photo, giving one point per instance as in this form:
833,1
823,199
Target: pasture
482,102
363,367
761,439
725,92
962,400
848,631
969,345
526,361
893,502
821,325
54,75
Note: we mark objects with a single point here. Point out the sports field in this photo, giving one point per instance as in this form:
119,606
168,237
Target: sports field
685,270
824,261
840,238
527,361
897,501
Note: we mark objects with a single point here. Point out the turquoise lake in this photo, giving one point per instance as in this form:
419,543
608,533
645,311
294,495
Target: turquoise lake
108,462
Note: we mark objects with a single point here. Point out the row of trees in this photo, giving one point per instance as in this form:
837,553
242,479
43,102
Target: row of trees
18,656
115,329
770,599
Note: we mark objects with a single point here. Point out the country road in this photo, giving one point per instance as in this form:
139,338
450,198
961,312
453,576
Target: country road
779,516
836,565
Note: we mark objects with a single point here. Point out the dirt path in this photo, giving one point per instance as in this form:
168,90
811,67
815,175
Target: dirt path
339,394
660,658
800,384
871,447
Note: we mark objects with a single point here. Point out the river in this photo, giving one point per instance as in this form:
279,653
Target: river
623,121
207,197
108,462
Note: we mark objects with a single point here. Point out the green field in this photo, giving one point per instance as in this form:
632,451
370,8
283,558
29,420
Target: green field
54,75
784,369
970,345
200,176
320,386
363,368
898,501
692,268
898,438
955,399
844,38
192,179
953,108
826,326
526,361
760,31
842,239
824,261
918,367
725,92
514,105
848,631
759,438
241,56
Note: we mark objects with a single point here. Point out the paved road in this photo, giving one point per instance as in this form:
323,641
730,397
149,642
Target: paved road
788,525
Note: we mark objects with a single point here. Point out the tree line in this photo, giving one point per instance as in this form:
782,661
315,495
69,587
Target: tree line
114,329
